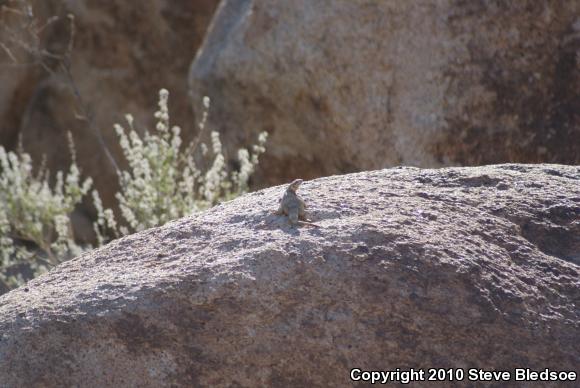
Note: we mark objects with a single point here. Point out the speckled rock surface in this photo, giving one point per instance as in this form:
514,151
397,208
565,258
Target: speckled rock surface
410,268
351,85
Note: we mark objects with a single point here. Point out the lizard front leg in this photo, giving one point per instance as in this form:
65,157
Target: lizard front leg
293,217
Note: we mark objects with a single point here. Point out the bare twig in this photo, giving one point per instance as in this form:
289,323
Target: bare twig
8,52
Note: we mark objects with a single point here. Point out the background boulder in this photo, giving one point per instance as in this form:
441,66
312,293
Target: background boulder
346,86
410,268
123,53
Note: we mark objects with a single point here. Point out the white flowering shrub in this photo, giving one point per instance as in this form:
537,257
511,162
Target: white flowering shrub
34,216
163,181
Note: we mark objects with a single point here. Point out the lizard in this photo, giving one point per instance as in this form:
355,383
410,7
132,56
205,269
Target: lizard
293,206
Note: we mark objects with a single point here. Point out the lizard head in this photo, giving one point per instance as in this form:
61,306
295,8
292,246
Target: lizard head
295,184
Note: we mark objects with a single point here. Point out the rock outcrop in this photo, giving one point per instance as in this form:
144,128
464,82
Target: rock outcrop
410,268
346,86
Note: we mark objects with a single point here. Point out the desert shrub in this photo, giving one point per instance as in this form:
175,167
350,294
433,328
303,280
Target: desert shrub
162,182
35,226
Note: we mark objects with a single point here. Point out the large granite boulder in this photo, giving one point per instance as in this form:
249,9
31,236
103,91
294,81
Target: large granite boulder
409,268
345,85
